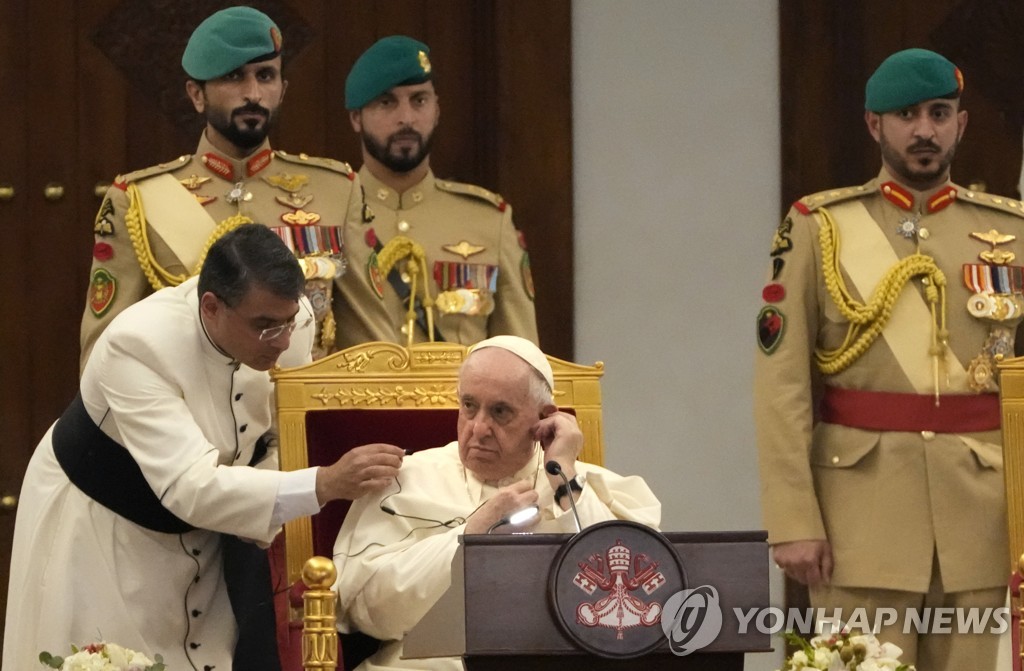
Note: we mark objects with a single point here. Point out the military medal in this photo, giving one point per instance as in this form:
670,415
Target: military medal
466,288
238,194
981,374
907,227
204,200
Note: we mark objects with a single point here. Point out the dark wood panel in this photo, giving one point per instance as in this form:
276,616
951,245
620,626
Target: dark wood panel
534,115
15,305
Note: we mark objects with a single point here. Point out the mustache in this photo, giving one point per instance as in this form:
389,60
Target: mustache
923,144
250,108
407,133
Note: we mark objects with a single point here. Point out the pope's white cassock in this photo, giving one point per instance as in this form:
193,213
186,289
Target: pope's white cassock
392,569
190,417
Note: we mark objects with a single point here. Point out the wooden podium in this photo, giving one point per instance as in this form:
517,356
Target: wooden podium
499,614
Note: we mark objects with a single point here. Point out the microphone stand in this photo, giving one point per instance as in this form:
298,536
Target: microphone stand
554,468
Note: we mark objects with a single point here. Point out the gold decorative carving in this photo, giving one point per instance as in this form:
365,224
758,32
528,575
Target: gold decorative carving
431,358
439,395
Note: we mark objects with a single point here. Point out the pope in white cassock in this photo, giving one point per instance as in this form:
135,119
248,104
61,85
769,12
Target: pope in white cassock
135,498
394,562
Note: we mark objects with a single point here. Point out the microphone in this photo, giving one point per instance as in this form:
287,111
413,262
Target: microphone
516,518
554,468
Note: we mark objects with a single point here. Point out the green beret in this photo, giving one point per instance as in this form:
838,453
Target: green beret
229,39
910,76
392,61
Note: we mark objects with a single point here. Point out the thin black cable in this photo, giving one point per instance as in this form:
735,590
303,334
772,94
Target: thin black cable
450,524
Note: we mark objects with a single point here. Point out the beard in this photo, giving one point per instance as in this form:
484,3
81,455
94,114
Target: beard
913,172
402,160
244,135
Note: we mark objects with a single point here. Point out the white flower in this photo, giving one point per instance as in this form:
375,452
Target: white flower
87,661
823,657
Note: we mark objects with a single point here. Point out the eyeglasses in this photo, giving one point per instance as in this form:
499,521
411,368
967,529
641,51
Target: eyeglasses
277,331
274,332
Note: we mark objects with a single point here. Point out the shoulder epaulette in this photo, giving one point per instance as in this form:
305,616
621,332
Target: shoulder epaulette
1001,203
472,190
810,203
138,175
328,163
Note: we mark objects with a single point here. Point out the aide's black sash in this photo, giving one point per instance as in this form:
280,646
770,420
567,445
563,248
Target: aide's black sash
106,472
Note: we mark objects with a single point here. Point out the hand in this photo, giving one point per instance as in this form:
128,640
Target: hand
561,439
808,561
506,501
361,470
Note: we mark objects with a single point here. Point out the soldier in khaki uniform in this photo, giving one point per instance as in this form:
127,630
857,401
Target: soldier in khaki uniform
155,225
447,248
876,394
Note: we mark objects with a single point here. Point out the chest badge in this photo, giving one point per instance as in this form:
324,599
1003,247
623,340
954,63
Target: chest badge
994,238
464,249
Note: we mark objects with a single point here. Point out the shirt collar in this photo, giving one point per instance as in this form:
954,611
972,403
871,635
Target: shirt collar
912,200
379,193
233,169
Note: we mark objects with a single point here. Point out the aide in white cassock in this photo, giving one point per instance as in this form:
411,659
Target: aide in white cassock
395,548
133,495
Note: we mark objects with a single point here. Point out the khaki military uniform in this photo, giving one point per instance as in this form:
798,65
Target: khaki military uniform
473,263
155,225
889,480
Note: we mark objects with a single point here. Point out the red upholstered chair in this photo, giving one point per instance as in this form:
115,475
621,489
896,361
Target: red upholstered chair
381,392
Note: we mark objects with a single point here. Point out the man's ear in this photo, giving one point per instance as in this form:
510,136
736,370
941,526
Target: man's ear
355,117
548,409
196,94
209,305
874,123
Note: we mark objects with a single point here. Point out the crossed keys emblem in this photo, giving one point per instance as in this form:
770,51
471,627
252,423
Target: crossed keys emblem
623,574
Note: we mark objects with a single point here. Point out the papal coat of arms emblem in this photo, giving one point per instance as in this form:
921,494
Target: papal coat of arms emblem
609,585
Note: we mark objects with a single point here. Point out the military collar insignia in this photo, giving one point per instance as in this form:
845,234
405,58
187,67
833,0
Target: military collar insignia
225,167
219,166
904,199
464,249
942,199
897,195
258,162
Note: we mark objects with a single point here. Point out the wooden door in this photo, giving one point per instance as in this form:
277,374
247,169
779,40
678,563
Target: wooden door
93,89
828,51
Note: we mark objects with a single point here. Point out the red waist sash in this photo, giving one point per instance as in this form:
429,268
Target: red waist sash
892,411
